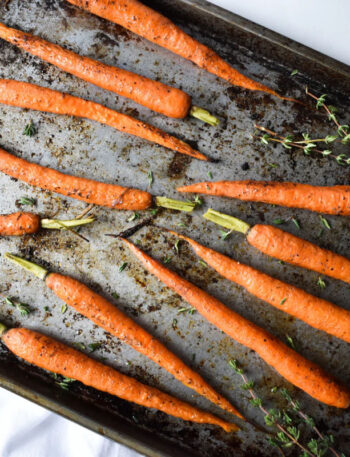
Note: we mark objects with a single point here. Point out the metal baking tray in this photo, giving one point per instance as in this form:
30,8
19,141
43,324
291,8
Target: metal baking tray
88,149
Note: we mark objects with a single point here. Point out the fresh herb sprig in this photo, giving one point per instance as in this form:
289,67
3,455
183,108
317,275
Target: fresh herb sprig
342,130
287,434
326,440
23,309
307,144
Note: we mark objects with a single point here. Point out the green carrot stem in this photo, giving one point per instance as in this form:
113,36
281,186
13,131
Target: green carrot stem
64,225
38,271
3,328
175,204
227,221
204,116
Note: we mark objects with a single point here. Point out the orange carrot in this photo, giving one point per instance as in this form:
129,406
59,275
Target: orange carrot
152,94
289,248
106,315
52,355
31,96
286,247
322,199
21,223
87,190
315,311
155,27
295,368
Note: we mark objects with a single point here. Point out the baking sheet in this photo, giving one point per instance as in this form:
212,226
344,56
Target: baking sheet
91,150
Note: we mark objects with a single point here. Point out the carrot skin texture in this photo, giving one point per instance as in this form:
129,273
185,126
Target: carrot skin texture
289,248
31,96
295,368
87,190
154,95
54,356
315,311
19,223
106,315
155,27
322,199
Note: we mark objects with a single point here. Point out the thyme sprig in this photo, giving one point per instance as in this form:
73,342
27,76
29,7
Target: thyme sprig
287,434
307,144
23,309
342,130
328,440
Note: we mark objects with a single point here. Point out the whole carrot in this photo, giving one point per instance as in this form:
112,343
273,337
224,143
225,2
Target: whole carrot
154,95
87,190
106,315
295,368
322,199
22,223
318,313
31,96
287,247
155,27
52,355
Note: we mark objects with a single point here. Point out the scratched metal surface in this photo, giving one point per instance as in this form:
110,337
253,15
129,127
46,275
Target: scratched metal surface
88,149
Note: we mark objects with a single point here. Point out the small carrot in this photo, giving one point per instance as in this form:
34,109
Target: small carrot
31,96
21,223
155,27
318,313
106,315
87,190
47,353
154,95
322,199
287,247
295,368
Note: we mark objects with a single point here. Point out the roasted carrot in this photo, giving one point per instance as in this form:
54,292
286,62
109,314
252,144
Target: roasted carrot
21,223
315,311
322,199
295,368
287,247
155,27
52,355
154,95
106,315
87,190
31,96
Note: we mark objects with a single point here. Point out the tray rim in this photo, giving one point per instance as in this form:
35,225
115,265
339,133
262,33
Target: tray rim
123,437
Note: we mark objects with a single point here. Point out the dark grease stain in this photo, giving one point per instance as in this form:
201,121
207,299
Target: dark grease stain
178,165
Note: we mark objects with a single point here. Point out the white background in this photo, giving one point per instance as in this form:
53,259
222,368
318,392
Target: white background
30,431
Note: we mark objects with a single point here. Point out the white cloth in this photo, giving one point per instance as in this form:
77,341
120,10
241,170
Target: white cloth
28,430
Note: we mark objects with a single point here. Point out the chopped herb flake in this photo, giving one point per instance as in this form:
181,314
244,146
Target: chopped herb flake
321,283
325,223
64,308
30,129
26,201
150,178
122,267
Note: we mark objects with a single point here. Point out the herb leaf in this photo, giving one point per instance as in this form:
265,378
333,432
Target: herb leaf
26,201
150,178
30,129
122,267
325,223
